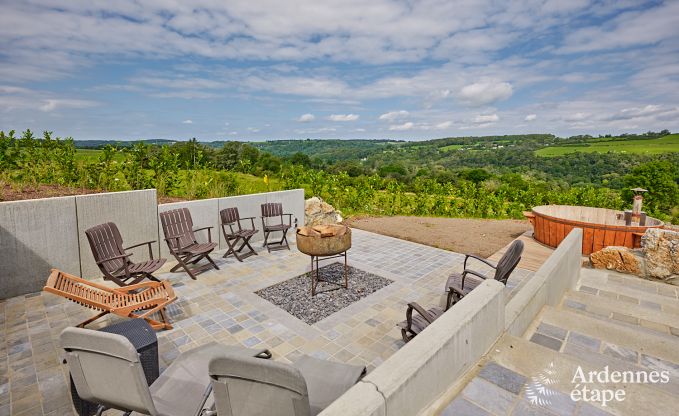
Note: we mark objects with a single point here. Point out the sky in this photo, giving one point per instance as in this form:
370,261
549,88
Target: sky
387,69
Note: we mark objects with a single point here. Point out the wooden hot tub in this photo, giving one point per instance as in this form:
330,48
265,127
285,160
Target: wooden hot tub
601,227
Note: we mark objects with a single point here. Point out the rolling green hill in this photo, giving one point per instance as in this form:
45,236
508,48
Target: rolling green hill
666,144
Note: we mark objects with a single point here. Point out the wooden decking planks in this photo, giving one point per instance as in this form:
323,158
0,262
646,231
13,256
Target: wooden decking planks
534,253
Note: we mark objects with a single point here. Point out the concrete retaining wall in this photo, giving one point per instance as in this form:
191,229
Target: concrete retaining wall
35,236
412,379
40,234
557,275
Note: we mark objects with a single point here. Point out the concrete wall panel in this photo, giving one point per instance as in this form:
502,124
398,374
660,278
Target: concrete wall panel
134,212
35,236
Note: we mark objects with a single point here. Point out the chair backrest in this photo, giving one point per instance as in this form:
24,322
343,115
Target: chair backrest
245,385
508,261
178,222
106,242
272,209
105,369
229,215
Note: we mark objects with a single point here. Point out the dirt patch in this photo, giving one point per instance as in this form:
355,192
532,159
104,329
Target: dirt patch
462,235
17,193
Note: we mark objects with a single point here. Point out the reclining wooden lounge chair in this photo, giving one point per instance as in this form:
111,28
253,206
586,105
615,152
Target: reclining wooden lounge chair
245,386
106,370
127,301
275,210
457,286
113,261
231,218
181,240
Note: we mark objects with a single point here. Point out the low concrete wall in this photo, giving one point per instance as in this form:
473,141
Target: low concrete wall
412,379
557,275
40,234
134,212
427,366
35,236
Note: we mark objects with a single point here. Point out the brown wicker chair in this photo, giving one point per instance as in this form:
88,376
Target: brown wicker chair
113,261
181,240
236,233
459,285
128,301
275,210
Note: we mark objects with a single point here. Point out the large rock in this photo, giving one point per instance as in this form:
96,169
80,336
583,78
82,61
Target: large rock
319,212
661,250
621,259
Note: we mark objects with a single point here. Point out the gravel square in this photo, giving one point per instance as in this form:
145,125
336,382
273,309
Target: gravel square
294,295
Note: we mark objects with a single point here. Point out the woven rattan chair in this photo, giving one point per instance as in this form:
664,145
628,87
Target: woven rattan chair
460,284
236,233
113,261
272,221
181,240
133,301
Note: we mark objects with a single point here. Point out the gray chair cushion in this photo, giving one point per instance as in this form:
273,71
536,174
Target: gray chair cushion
326,380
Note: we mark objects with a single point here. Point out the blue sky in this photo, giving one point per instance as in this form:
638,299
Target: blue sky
256,70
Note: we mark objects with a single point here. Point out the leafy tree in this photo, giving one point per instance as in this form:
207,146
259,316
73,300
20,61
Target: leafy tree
660,178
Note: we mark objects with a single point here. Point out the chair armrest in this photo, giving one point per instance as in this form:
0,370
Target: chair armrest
120,256
141,244
420,310
178,249
247,218
209,232
290,216
481,259
252,221
126,289
466,272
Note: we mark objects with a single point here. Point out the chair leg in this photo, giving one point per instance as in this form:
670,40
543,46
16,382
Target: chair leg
92,319
207,256
181,263
232,249
266,237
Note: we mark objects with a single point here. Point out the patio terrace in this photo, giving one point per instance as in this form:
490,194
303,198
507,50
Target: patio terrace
222,306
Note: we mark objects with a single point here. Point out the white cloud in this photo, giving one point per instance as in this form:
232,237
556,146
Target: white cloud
394,115
253,130
486,92
187,122
487,118
343,117
402,127
444,125
305,118
530,117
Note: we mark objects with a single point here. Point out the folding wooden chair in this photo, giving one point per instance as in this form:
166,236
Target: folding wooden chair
231,218
275,210
181,240
127,301
113,261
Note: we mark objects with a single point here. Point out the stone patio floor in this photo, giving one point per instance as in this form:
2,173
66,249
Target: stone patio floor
222,306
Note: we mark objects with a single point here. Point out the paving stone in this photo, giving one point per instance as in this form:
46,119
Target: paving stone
524,408
461,406
503,377
587,409
619,352
545,341
552,331
651,305
584,341
575,305
489,396
588,289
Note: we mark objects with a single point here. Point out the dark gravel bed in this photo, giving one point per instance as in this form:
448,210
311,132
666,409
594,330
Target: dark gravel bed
294,295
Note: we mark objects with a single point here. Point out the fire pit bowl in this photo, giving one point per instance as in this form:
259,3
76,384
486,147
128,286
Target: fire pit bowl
324,240
328,242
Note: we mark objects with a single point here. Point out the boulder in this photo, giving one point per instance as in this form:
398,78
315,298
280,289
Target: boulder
661,250
621,259
319,212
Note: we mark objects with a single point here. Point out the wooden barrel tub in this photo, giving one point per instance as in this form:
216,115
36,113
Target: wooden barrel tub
601,227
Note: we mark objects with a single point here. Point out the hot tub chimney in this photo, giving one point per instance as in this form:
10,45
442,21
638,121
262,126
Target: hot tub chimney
637,201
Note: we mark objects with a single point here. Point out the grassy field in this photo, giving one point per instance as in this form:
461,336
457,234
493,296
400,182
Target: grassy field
91,155
450,147
665,144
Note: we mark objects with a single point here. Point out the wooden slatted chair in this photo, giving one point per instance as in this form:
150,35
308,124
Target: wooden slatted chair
128,301
113,261
275,210
236,233
181,240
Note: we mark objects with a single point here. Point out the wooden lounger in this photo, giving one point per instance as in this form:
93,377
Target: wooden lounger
128,301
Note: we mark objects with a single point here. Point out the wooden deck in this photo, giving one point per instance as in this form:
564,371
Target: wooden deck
534,253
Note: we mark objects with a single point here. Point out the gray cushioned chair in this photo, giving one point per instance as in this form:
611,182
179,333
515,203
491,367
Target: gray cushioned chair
106,370
245,386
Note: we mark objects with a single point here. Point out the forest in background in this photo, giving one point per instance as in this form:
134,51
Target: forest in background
483,177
